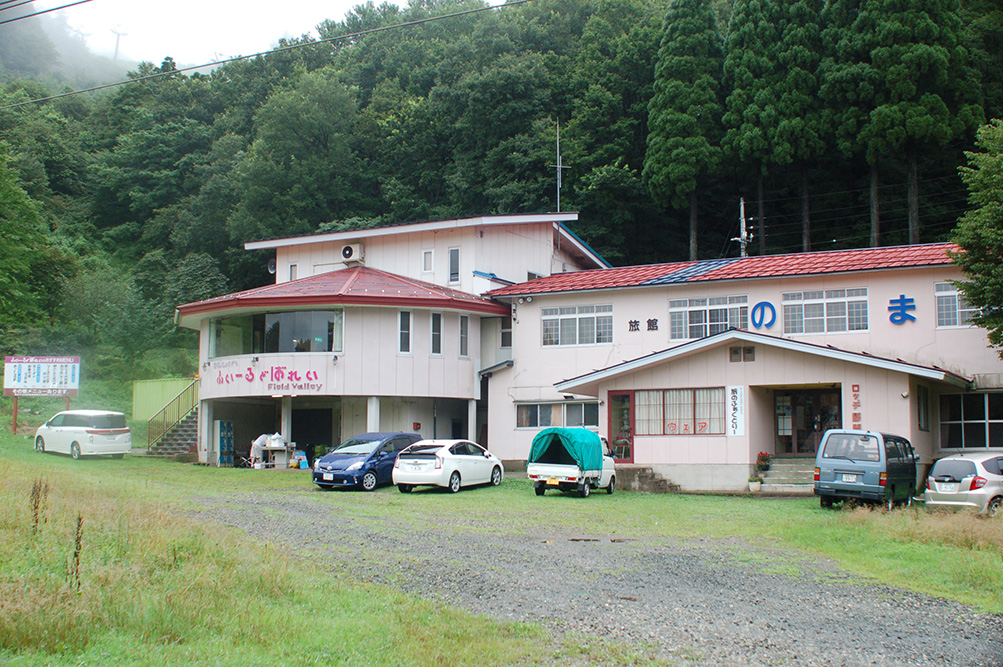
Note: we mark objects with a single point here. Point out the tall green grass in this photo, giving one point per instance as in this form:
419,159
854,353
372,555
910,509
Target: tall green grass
101,565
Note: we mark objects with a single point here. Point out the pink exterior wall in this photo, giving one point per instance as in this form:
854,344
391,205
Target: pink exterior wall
963,350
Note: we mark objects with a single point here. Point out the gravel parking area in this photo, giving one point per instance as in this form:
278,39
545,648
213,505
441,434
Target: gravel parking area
696,601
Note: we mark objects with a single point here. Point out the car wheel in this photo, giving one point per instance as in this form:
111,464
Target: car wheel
454,482
584,490
75,451
612,484
825,502
404,488
39,445
369,481
540,489
993,508
496,476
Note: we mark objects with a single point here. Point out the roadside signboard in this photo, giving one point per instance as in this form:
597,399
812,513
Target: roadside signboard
41,376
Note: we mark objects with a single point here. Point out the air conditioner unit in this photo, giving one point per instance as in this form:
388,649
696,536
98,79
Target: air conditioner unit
352,252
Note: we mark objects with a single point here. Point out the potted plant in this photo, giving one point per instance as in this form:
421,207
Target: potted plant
755,483
763,461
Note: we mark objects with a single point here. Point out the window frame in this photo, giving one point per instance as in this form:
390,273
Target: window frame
960,311
464,335
681,404
686,315
503,331
454,258
427,261
989,422
824,305
559,323
435,334
401,333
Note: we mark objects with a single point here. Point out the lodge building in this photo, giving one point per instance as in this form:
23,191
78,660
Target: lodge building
494,327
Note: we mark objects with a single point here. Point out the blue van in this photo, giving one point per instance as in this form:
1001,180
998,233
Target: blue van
865,466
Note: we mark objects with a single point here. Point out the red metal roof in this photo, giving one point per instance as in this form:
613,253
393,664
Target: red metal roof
738,268
357,285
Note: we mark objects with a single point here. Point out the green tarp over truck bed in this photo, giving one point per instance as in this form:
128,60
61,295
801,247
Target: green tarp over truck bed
568,446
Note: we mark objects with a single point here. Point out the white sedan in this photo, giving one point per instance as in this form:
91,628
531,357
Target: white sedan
448,463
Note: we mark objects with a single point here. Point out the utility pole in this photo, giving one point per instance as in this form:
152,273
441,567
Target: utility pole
118,36
559,166
744,237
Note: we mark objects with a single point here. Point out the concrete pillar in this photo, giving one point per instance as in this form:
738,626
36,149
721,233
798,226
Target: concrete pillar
286,427
373,414
205,433
472,420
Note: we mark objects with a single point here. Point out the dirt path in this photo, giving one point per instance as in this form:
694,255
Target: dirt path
701,601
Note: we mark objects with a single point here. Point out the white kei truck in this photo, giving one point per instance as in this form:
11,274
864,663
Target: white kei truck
570,459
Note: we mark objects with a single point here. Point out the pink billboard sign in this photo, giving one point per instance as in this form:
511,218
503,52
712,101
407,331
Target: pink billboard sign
41,376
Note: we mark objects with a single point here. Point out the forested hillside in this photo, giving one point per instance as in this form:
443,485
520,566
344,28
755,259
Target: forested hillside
841,123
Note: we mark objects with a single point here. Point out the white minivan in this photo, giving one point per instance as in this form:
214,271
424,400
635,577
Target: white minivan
85,433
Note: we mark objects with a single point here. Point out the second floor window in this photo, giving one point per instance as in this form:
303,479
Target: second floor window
436,333
699,318
454,265
821,311
404,346
464,335
952,309
506,332
578,325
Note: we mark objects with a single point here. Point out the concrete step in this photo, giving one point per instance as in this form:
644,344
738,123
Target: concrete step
643,479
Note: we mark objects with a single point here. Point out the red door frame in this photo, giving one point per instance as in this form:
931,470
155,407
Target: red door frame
611,423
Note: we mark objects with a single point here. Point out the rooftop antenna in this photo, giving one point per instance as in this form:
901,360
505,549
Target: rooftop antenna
559,166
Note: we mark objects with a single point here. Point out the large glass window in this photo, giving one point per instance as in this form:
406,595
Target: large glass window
820,311
680,411
542,415
699,318
952,309
578,325
300,331
971,421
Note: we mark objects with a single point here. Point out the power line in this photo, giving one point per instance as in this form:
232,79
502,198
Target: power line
262,54
19,4
44,11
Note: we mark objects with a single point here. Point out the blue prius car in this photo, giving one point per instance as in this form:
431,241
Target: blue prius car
366,461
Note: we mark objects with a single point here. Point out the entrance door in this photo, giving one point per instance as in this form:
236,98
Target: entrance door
802,417
621,426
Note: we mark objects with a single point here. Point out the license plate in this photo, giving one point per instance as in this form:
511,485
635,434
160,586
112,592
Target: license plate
850,478
948,488
552,481
416,466
328,477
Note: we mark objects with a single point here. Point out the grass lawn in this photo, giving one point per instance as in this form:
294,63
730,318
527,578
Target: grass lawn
100,567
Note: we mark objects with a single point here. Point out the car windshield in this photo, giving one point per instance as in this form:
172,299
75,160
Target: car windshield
955,469
851,446
108,421
356,446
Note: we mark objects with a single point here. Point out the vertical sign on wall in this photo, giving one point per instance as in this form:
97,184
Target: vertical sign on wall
735,407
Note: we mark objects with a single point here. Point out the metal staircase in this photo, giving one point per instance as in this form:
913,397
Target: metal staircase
174,430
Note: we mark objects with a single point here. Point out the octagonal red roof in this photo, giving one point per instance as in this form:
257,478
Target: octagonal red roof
353,286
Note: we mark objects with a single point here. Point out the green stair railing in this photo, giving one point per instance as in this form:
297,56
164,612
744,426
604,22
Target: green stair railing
171,414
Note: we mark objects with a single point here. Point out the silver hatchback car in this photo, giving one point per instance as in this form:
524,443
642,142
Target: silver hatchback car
973,481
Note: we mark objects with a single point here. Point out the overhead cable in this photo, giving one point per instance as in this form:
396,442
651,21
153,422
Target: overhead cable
262,54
